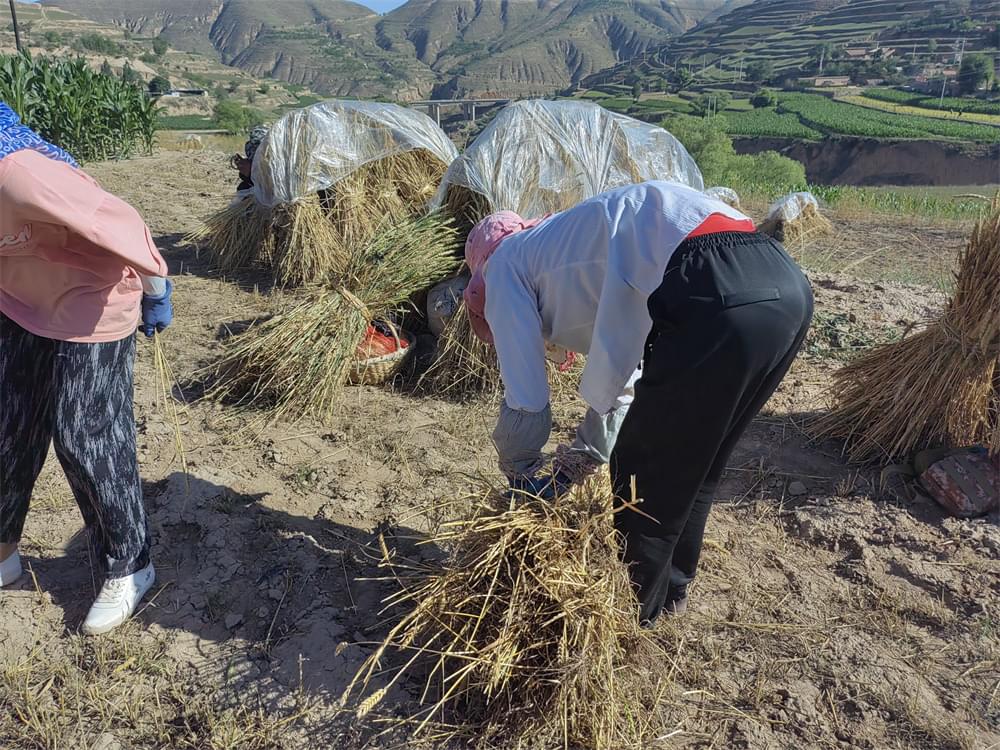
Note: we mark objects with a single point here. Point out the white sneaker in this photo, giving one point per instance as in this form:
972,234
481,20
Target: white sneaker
117,601
10,570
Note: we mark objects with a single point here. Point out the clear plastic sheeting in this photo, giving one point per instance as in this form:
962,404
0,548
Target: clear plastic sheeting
540,156
311,149
793,206
727,195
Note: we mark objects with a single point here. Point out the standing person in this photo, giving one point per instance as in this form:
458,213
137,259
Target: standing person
78,269
656,273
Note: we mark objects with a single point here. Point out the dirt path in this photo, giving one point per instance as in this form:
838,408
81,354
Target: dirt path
824,616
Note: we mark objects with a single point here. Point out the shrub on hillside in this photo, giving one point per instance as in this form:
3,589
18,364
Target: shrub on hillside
706,140
235,119
764,98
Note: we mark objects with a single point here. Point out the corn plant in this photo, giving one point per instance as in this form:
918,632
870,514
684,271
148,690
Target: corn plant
92,115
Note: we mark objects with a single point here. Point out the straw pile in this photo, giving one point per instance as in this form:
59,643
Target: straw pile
312,238
527,634
464,366
297,361
795,219
940,386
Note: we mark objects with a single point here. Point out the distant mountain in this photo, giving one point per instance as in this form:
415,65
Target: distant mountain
521,48
445,47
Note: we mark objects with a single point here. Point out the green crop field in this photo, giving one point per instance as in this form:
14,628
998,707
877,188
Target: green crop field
825,114
769,123
186,122
912,99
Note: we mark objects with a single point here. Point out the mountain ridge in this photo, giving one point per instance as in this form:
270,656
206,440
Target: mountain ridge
424,47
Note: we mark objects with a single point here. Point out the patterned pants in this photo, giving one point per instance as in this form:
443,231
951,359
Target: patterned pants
80,397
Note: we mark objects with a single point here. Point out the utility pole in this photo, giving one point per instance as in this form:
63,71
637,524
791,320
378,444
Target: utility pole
961,51
944,82
17,29
822,54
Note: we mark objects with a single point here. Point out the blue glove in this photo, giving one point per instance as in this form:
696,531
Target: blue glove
545,487
157,312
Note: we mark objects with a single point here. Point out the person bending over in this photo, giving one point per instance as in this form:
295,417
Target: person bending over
689,319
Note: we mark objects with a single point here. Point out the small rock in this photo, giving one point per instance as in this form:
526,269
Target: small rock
106,741
275,594
796,489
233,619
262,612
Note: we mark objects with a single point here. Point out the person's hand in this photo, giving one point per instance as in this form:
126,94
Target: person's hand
544,486
574,465
157,312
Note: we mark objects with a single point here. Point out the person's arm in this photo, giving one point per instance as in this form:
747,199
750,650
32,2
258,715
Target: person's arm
525,420
597,433
98,222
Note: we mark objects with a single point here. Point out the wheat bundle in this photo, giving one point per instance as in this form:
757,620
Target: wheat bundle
463,365
940,386
297,361
538,157
325,178
527,635
795,219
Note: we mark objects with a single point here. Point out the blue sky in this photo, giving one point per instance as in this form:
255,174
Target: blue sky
381,6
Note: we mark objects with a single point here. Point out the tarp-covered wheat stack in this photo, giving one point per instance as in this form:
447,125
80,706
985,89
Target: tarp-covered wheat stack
296,362
940,386
795,219
539,157
325,178
527,635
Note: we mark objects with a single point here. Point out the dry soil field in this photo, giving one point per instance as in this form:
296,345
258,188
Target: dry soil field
828,613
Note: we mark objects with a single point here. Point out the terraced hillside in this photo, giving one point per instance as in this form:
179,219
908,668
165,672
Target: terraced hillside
788,33
426,46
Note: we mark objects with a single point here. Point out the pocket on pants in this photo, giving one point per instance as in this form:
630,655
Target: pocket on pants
749,297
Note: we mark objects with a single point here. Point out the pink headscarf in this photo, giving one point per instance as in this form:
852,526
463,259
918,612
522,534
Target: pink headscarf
483,241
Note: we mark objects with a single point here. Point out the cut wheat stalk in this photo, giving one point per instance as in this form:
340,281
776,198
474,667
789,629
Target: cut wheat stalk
165,385
296,362
940,386
527,634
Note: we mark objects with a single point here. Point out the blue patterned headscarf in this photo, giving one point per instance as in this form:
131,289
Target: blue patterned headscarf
15,136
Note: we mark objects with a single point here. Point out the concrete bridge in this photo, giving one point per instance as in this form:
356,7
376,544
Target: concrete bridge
468,106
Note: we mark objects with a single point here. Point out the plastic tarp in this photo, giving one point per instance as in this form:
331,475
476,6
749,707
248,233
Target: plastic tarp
540,156
311,149
790,207
725,194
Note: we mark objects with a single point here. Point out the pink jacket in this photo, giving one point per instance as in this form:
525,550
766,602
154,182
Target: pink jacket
71,254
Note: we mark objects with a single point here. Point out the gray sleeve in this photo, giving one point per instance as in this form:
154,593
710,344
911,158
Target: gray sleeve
154,286
519,438
597,434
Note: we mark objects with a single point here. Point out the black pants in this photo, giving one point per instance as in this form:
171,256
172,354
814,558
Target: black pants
80,397
728,319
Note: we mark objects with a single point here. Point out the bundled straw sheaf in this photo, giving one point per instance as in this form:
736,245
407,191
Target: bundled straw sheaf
806,226
527,635
296,362
313,239
464,366
940,386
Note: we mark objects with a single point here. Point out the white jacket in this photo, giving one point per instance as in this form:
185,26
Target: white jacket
581,280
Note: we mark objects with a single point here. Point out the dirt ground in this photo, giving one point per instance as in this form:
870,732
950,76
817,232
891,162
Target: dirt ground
826,613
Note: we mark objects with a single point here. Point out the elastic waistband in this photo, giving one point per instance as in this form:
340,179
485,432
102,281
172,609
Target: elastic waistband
718,241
